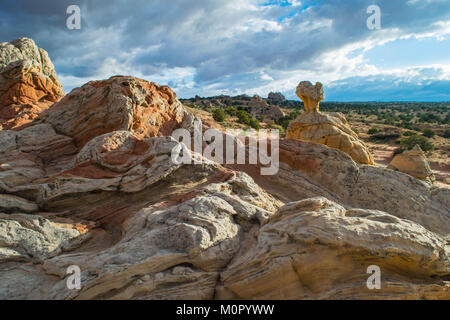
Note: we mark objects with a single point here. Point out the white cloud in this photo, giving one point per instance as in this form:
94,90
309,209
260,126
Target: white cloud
235,46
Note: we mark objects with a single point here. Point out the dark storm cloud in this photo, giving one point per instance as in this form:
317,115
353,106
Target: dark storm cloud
216,38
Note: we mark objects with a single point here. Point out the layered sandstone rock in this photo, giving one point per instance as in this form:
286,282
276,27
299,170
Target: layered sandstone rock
317,249
102,193
28,82
413,162
119,103
330,129
141,227
308,170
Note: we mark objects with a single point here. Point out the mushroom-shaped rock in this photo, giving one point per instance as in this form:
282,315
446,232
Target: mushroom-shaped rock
330,129
311,95
414,163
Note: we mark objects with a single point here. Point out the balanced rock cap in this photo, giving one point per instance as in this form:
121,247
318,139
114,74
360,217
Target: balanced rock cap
310,94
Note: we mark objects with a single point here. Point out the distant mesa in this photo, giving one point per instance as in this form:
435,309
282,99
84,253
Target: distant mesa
330,129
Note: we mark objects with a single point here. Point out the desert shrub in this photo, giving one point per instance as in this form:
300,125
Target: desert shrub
243,116
446,134
429,133
373,131
231,111
398,151
409,143
219,115
284,123
409,133
254,124
355,130
430,117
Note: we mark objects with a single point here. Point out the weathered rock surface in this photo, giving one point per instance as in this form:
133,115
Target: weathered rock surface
24,237
205,232
259,109
330,129
119,103
310,95
90,182
28,82
316,249
10,203
276,97
309,170
413,162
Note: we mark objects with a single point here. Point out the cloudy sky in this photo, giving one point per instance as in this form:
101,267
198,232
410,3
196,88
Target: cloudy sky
210,47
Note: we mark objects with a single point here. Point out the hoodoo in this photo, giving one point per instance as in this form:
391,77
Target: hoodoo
330,129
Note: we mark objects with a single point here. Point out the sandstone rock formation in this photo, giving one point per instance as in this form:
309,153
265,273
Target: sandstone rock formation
276,97
28,82
91,183
413,162
310,95
330,129
257,102
119,103
259,109
317,249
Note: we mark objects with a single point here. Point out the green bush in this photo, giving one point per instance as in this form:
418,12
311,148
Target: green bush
284,123
398,151
430,117
219,115
373,131
409,133
409,143
355,130
446,134
243,117
429,133
231,111
254,124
